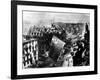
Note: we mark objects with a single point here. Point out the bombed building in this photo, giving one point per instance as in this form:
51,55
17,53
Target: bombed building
60,45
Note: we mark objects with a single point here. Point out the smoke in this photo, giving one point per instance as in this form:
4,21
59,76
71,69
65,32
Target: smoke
46,18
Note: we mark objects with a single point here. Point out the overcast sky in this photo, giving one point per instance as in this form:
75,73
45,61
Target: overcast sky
46,18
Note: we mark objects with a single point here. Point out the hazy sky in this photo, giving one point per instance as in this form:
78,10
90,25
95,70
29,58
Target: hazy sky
46,18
